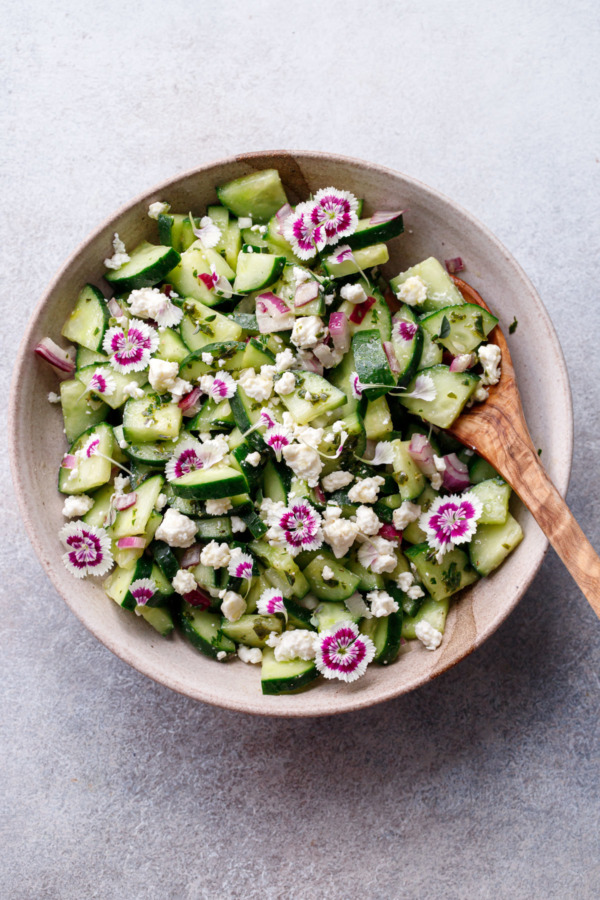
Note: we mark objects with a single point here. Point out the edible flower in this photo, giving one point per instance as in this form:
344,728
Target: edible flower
271,602
88,549
451,520
102,383
209,232
131,346
344,653
240,564
277,437
406,330
336,211
305,236
219,387
142,590
215,282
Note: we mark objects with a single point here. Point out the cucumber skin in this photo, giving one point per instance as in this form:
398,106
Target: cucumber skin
371,363
148,277
376,234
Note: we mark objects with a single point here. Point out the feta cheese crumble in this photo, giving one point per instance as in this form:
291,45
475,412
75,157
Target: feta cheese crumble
284,360
162,374
233,606
366,490
215,555
382,604
237,524
184,582
353,293
413,291
405,514
339,533
490,356
378,554
368,523
250,655
133,390
176,530
253,459
53,398
156,208
308,331
286,384
218,507
429,636
207,359
327,573
304,462
120,255
77,505
335,481
298,644
258,386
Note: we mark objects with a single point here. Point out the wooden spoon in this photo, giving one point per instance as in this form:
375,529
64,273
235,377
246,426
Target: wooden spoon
496,430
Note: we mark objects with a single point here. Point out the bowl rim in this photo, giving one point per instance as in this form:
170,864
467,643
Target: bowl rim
123,652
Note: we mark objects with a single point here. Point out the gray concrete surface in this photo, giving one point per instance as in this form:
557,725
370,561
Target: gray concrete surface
484,784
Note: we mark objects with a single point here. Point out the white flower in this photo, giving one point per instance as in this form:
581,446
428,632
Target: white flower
209,232
424,389
298,644
218,507
304,462
405,514
286,384
384,454
377,554
257,386
382,604
120,255
233,606
366,490
429,636
284,360
176,529
156,208
353,293
215,555
367,521
413,291
490,356
184,582
77,505
250,655
336,480
308,331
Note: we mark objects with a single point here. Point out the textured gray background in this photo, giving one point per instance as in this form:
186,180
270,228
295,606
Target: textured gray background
484,784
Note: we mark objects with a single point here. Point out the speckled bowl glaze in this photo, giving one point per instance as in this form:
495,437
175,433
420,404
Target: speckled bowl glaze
434,226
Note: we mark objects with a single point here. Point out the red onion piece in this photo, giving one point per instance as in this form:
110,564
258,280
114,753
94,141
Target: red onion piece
390,533
124,501
198,597
391,356
55,355
272,314
360,310
422,452
380,218
456,474
281,215
131,543
454,265
69,461
310,361
191,557
168,289
207,280
320,494
189,400
114,308
339,329
306,293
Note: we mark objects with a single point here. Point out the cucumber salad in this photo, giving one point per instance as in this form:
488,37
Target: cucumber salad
257,427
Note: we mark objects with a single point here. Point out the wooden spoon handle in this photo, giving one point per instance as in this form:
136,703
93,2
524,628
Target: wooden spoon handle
521,467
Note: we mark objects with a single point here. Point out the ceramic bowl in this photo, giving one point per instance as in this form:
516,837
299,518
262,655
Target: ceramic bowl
435,226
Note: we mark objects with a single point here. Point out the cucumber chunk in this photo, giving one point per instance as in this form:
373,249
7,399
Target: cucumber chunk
195,261
148,264
284,677
203,631
202,325
340,586
170,346
442,579
441,290
91,471
374,313
372,364
494,494
480,470
231,352
328,615
258,195
386,634
135,519
313,397
252,630
89,319
453,390
463,327
432,611
256,271
375,255
283,573
407,341
79,412
491,544
159,617
211,484
149,420
366,233
116,396
120,580
408,476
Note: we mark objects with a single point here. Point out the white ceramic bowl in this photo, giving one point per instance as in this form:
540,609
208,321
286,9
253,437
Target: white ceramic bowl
435,226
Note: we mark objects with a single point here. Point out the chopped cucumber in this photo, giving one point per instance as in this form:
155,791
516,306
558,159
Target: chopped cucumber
460,329
452,391
287,676
491,544
88,321
441,290
258,195
148,264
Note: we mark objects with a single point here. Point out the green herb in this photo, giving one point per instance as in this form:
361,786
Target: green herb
539,451
452,394
478,326
444,330
211,318
452,577
513,326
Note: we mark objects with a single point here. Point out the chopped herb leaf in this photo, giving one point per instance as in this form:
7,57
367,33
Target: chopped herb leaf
513,326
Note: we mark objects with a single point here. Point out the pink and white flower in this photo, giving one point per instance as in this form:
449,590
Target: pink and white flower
451,520
130,346
342,254
271,602
355,386
142,590
301,526
217,283
305,236
424,389
88,549
102,382
405,330
344,653
335,211
277,437
90,448
209,232
219,387
240,564
188,457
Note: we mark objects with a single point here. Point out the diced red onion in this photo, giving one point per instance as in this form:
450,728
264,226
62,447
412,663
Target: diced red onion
191,557
168,289
55,355
456,473
380,218
454,265
461,363
189,400
272,314
69,461
312,363
124,501
339,329
360,310
131,543
114,308
390,533
198,597
391,356
306,293
422,452
320,494
281,215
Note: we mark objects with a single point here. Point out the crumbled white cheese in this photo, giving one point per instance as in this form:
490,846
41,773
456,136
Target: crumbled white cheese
414,592
429,636
162,374
284,360
147,303
377,554
404,580
366,490
286,384
132,389
304,462
253,459
258,386
300,275
250,655
271,511
179,389
237,524
221,655
413,291
382,604
481,394
120,483
120,255
336,480
405,514
207,359
308,331
53,398
327,573
176,530
339,533
184,582
368,523
353,293
233,606
298,644
490,356
161,502
218,507
215,555
77,505
156,208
